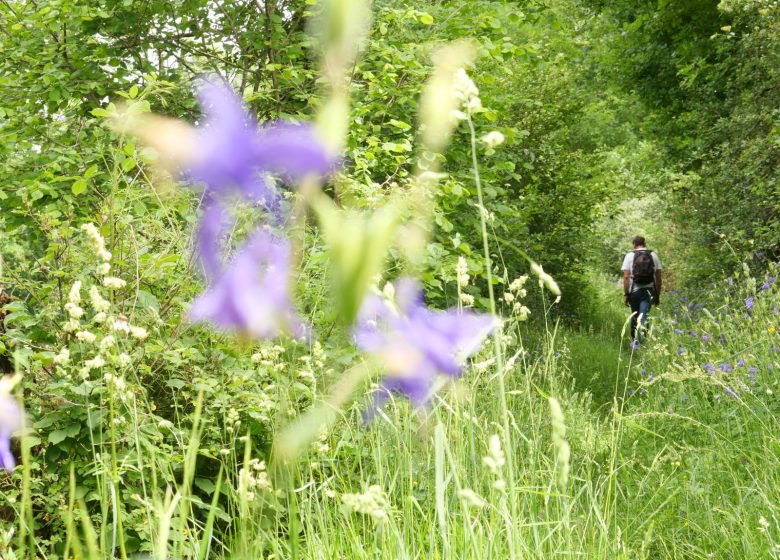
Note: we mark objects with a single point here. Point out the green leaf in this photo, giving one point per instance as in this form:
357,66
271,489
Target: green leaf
58,436
426,19
133,92
175,383
128,164
205,484
78,187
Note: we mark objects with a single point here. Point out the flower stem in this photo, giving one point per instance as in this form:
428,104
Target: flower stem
497,350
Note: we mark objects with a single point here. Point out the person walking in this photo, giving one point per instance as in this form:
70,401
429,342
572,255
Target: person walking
641,284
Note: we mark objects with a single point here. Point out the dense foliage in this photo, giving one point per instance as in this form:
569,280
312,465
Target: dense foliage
150,434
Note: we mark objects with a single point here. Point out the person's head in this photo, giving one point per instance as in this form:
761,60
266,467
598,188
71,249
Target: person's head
638,241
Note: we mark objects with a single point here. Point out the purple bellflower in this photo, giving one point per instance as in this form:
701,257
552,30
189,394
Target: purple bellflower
416,344
749,303
233,154
251,295
10,422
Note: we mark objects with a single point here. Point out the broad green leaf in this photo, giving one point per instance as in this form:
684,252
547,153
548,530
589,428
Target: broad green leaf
78,187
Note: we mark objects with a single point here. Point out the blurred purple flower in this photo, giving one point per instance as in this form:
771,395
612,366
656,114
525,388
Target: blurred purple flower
741,363
678,331
749,302
709,368
770,280
634,345
725,367
208,238
681,351
252,294
731,392
630,392
415,343
233,153
765,286
10,422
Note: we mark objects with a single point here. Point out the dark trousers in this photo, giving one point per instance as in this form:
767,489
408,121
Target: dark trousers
640,301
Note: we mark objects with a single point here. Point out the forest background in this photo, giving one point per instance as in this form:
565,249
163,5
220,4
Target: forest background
661,118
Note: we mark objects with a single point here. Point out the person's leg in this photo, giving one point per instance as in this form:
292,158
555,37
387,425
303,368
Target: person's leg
644,303
634,301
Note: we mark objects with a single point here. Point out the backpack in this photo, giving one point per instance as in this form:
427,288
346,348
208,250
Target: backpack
643,270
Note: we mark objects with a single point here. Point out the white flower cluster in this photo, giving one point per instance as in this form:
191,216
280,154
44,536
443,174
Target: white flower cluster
466,93
118,385
74,298
493,139
268,359
114,283
99,304
471,499
232,422
99,244
462,272
254,479
545,280
517,291
495,461
63,357
86,337
372,502
320,445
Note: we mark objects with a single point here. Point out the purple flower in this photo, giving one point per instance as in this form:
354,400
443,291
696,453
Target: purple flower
705,337
741,363
10,422
680,351
730,391
233,153
643,372
677,331
634,345
630,392
749,302
208,237
709,368
770,280
725,367
252,295
415,343
765,286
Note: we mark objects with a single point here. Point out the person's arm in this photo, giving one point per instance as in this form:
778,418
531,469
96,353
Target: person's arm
626,285
658,286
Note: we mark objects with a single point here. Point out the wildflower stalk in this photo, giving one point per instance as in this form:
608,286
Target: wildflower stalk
119,531
497,351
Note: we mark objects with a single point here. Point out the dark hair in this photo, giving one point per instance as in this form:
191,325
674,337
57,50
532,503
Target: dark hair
638,240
